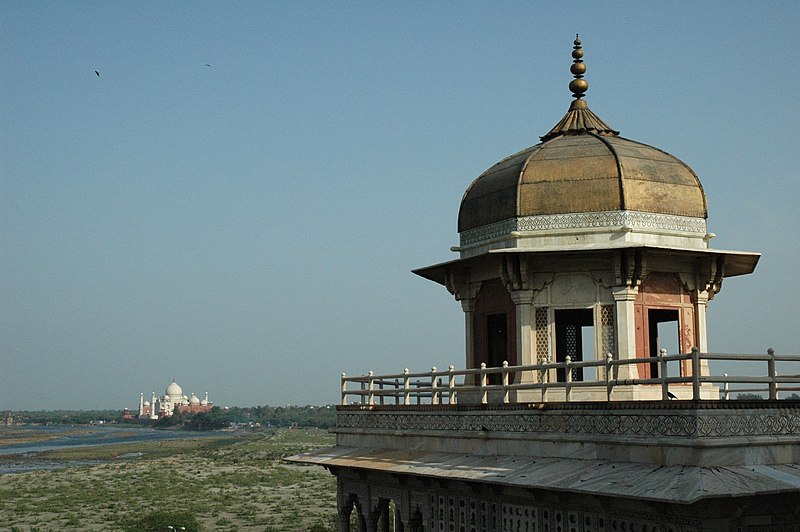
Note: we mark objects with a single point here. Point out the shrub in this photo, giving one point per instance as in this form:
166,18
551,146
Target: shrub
163,520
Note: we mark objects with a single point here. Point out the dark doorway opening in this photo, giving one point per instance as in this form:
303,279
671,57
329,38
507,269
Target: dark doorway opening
574,329
664,333
497,344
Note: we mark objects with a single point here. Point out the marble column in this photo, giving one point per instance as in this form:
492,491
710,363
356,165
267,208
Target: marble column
625,325
525,330
468,306
700,301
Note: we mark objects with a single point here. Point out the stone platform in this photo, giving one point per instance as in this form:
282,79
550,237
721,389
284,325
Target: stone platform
660,465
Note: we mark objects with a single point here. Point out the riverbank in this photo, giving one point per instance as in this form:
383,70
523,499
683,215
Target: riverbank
27,445
232,481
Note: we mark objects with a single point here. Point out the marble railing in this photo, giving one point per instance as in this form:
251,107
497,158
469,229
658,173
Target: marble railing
564,381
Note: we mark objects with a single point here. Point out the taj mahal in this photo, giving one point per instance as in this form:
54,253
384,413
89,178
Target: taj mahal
173,401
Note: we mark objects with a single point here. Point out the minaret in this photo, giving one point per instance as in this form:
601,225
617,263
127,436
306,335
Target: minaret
141,404
153,413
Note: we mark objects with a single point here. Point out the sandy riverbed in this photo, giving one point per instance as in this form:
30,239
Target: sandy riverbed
230,483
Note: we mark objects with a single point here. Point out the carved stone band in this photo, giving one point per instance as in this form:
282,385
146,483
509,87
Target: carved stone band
586,220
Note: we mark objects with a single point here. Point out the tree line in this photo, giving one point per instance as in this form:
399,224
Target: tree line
216,418
255,416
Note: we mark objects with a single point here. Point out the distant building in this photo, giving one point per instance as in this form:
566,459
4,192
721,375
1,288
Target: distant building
171,402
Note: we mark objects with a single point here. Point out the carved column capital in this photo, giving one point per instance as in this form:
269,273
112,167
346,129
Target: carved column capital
700,297
630,267
709,275
468,304
515,272
522,297
624,293
458,284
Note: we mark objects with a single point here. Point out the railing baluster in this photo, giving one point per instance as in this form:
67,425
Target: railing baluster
725,392
344,388
773,385
568,373
505,381
434,387
609,375
484,398
406,388
545,378
662,369
451,385
371,388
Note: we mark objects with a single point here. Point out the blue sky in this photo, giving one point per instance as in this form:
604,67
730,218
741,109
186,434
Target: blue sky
249,227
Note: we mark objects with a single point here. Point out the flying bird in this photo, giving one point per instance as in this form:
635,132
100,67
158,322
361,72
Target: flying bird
208,65
98,73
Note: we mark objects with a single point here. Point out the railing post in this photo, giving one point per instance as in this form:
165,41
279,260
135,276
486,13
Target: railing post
609,374
695,373
380,395
773,385
371,388
344,388
434,387
544,377
505,381
406,388
725,392
396,394
484,398
662,369
451,385
568,374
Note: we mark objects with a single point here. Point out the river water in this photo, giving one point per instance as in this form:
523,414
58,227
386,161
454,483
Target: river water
20,446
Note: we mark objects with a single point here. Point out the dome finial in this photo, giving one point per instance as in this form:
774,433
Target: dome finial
579,119
578,86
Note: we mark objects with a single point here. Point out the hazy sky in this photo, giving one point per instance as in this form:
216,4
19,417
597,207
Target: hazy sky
249,227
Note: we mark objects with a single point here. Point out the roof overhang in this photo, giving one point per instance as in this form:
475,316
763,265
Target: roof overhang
678,484
736,262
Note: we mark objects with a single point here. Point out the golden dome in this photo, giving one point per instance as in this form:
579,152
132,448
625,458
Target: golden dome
583,173
582,166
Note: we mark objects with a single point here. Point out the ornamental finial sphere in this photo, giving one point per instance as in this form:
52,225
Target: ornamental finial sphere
578,86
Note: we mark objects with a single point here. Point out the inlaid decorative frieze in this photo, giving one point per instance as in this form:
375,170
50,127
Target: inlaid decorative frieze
774,424
599,423
586,220
671,425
